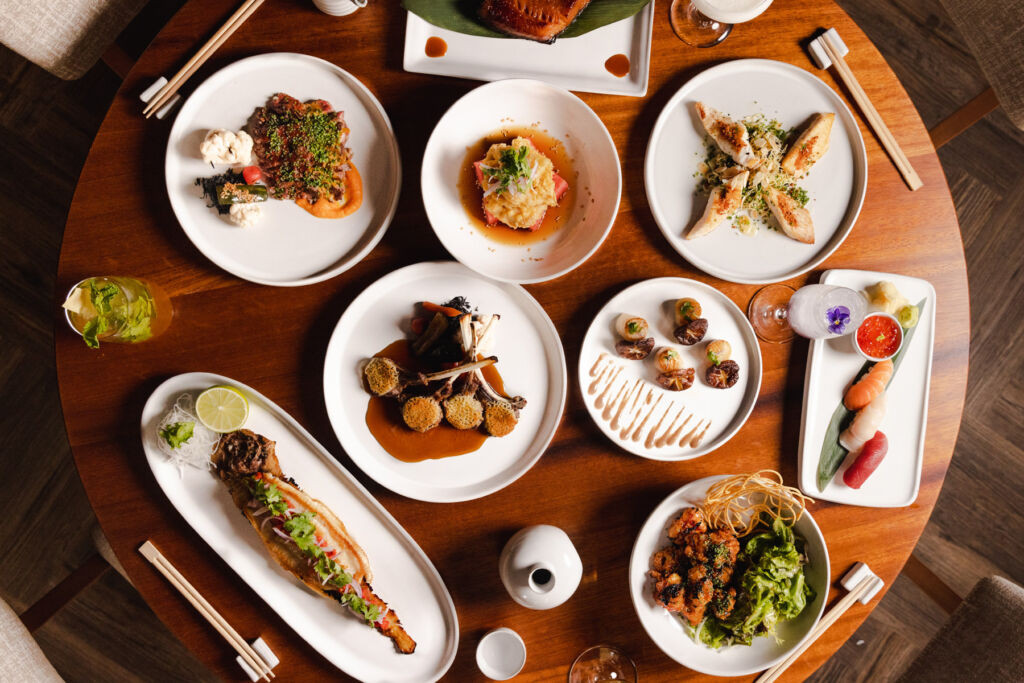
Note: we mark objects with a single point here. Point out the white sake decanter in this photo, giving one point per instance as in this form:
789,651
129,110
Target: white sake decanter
540,567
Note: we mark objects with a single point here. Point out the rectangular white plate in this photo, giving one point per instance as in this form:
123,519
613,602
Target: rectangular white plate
832,365
403,576
571,63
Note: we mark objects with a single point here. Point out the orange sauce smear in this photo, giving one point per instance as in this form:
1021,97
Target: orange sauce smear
472,196
436,47
384,419
617,65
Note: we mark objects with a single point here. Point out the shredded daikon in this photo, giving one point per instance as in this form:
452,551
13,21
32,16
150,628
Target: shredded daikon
195,451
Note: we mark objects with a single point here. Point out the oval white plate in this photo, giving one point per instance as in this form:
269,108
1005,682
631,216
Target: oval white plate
742,88
403,575
530,358
561,115
288,247
669,633
727,409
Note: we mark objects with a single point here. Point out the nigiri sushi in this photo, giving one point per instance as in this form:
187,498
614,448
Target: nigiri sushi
869,386
730,136
865,424
724,199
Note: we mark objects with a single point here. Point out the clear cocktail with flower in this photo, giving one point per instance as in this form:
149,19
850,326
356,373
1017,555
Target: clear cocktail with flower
117,309
777,312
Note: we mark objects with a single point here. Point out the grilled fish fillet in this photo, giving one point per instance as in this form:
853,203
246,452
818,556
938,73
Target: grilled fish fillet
247,463
810,146
540,20
794,219
724,199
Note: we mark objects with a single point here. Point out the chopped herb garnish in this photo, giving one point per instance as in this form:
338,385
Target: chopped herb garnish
177,433
513,172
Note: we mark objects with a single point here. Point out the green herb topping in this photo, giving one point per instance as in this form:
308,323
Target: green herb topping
177,433
513,171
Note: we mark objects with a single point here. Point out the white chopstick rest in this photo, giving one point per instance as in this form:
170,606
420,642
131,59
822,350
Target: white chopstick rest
856,575
151,92
265,652
817,50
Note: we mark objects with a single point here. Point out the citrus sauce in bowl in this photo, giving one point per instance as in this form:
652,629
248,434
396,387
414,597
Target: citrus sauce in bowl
879,336
384,418
472,196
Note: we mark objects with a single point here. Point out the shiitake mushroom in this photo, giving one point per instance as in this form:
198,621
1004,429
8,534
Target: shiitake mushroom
723,375
692,332
677,380
634,350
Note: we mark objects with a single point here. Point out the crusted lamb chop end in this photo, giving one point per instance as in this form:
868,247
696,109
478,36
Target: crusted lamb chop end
540,20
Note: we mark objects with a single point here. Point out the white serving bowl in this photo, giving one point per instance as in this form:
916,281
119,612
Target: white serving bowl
559,114
667,630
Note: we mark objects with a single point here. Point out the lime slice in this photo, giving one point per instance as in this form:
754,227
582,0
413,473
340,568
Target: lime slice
222,409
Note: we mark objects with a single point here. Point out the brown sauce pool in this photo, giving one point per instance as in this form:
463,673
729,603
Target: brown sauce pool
436,47
617,65
472,196
384,419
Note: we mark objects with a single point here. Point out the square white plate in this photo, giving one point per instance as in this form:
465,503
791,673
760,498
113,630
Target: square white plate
831,366
572,63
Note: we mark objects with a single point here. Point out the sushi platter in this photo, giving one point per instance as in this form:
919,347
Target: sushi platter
831,366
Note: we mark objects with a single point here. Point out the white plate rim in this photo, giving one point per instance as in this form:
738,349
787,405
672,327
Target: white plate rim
725,69
157,461
640,90
659,513
529,82
396,181
807,462
753,348
353,449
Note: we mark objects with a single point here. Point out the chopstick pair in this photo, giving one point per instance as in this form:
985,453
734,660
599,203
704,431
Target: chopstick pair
165,93
832,45
248,654
866,585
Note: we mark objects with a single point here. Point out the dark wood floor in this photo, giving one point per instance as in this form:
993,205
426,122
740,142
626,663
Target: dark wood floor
108,633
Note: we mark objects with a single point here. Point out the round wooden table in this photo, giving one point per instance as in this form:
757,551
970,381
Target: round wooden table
274,339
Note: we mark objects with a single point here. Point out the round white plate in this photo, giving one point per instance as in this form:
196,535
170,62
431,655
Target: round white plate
726,409
742,88
561,115
530,358
289,246
670,634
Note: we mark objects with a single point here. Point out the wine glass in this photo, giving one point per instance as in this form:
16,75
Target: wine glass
704,23
777,312
602,664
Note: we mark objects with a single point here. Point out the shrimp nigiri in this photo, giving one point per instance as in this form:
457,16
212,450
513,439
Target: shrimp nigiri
865,424
869,386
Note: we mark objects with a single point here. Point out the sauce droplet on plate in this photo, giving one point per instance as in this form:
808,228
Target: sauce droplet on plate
617,65
436,47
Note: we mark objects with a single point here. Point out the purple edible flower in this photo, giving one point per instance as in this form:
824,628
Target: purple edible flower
838,318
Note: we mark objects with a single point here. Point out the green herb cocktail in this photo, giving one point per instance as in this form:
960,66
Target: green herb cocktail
117,309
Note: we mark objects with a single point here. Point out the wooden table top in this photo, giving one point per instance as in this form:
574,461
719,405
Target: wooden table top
274,339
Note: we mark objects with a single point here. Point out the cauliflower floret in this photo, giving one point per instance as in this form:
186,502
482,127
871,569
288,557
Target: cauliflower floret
227,147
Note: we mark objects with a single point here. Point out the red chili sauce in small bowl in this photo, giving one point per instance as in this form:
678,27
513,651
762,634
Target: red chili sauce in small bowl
879,336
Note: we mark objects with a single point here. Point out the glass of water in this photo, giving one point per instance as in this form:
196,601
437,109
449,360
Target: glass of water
602,664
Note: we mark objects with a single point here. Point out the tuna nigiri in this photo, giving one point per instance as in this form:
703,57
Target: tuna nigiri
867,462
869,386
865,424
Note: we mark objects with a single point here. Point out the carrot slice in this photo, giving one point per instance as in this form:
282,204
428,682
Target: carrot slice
436,308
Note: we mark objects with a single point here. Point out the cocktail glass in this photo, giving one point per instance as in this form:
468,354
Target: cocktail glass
117,309
778,312
704,23
602,664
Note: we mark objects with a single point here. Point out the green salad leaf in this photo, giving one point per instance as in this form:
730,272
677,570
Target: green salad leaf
772,589
177,433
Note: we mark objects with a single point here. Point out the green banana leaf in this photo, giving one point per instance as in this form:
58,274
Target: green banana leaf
832,454
461,16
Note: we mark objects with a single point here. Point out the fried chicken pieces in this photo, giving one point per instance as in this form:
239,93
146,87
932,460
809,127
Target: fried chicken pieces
691,575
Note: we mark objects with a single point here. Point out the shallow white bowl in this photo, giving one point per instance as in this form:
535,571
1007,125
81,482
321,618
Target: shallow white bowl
561,115
668,632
